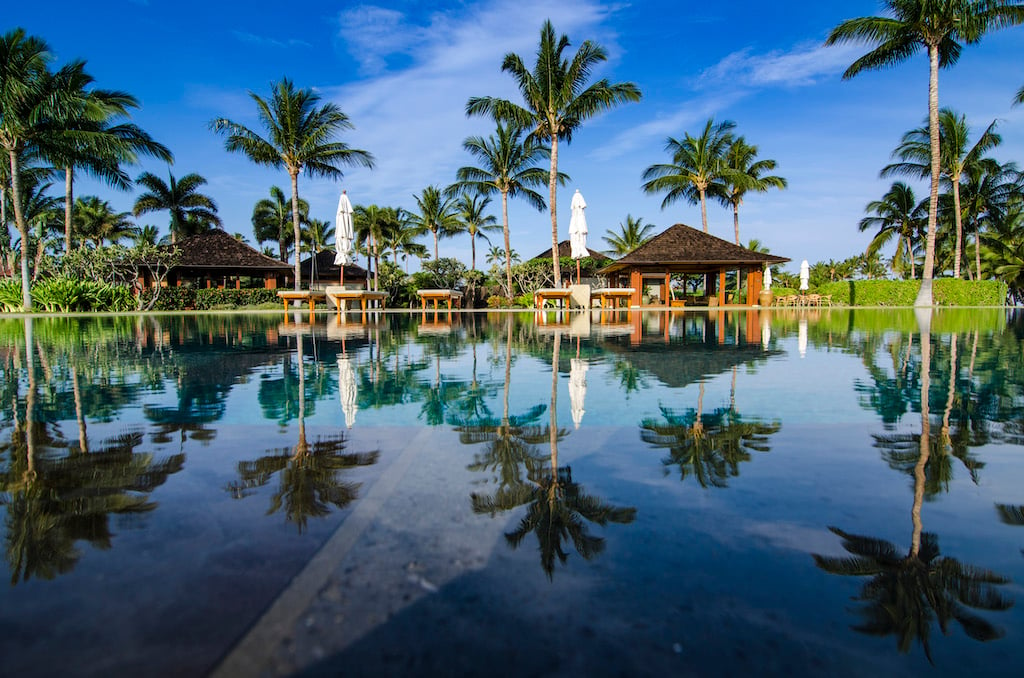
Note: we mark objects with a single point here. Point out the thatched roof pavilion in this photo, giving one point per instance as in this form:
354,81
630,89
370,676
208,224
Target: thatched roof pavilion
565,250
321,269
682,249
217,259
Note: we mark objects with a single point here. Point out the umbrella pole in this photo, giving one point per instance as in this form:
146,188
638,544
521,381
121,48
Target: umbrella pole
341,281
578,278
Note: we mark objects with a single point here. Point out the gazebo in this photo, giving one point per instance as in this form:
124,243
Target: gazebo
217,259
685,250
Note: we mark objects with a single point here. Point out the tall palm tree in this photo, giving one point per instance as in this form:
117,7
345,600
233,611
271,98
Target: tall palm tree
469,209
436,214
557,101
633,233
898,214
31,101
698,167
146,235
181,198
300,138
748,174
938,26
318,233
956,158
272,218
507,168
988,192
97,221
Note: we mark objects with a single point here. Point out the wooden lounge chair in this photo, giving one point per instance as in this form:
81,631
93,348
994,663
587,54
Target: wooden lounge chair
449,296
339,296
614,295
562,295
312,296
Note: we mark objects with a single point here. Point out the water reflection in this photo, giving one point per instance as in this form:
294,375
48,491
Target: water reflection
907,594
311,476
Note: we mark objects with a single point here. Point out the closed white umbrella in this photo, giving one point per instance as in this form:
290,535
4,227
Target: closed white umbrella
344,234
801,337
805,275
766,331
347,390
768,277
577,388
578,231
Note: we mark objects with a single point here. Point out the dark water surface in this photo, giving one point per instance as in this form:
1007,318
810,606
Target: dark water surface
788,492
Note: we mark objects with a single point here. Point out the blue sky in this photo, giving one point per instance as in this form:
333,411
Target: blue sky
403,71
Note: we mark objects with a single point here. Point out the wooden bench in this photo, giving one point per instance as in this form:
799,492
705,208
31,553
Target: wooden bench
614,295
437,296
340,297
312,296
560,294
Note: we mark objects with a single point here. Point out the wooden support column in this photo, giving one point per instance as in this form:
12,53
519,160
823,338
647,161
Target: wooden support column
721,287
636,281
666,298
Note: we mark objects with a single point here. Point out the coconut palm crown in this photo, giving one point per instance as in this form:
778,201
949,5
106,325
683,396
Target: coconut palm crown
300,135
557,100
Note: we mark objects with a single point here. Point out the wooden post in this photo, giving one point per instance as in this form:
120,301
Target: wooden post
721,287
636,281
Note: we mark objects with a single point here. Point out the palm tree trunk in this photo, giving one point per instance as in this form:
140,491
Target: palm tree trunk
508,245
736,220
552,190
702,192
19,220
977,249
922,460
295,226
434,231
69,198
957,218
472,251
924,296
553,426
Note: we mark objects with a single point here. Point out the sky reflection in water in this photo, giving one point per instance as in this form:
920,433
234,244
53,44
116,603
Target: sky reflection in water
773,492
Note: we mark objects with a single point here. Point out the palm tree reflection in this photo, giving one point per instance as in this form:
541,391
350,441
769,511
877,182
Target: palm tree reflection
708,446
310,475
558,509
908,593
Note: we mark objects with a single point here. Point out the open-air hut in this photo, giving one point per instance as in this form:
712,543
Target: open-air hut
685,250
216,259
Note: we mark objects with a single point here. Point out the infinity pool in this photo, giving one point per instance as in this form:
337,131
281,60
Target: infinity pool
784,492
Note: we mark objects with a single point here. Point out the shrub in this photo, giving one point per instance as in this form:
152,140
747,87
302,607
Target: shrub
10,295
63,294
946,291
497,301
953,292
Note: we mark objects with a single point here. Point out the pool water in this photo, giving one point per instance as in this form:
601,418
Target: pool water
777,492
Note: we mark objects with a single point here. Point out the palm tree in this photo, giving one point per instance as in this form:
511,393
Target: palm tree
399,237
436,214
181,198
147,235
956,158
509,169
371,224
938,26
300,138
747,175
897,214
97,221
271,218
988,191
698,167
632,234
557,100
31,100
471,218
41,213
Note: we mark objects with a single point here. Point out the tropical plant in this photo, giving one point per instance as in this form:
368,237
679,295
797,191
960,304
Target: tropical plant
633,233
191,211
897,214
272,221
508,168
96,220
436,214
956,158
989,192
747,174
557,101
469,210
698,168
300,138
938,26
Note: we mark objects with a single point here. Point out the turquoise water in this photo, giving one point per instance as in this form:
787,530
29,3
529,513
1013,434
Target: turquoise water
619,493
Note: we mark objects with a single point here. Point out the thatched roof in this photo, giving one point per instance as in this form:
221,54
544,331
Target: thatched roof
682,245
565,250
215,249
326,269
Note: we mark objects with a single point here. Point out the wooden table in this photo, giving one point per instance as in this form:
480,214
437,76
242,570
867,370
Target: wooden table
440,295
312,296
559,294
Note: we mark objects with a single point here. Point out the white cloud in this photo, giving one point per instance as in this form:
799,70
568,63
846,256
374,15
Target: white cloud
805,64
264,41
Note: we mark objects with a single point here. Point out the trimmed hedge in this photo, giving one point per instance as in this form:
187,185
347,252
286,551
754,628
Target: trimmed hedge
946,292
201,299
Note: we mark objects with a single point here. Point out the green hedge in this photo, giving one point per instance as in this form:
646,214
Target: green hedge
946,292
201,299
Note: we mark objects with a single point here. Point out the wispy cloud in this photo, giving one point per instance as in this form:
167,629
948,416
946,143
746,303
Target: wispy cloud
264,41
803,65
